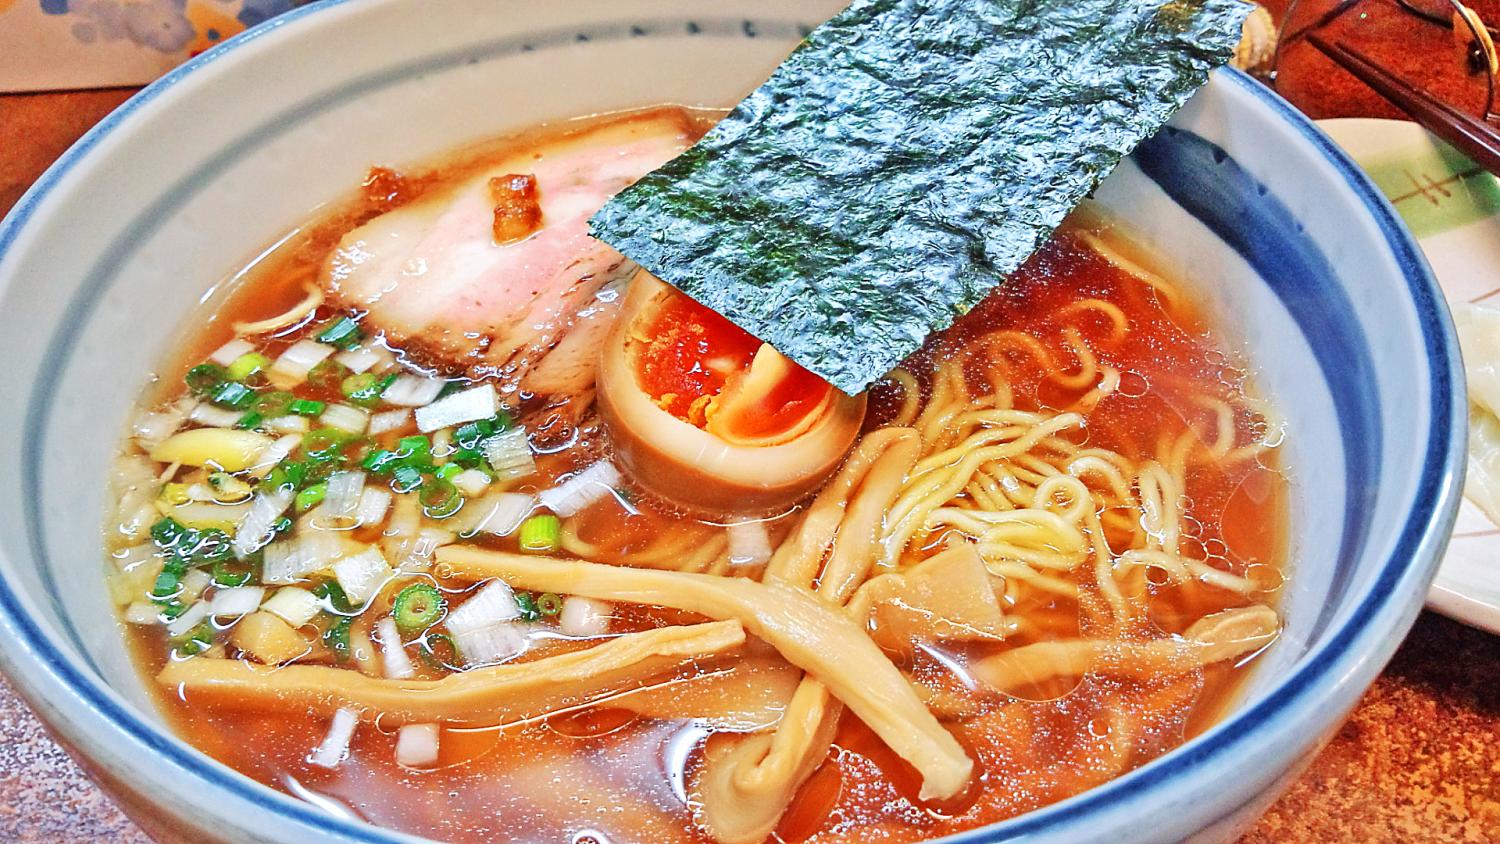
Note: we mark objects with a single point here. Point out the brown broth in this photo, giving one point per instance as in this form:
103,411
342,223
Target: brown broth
613,776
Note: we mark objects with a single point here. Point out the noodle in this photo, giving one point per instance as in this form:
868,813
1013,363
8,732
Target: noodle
292,316
911,398
1156,283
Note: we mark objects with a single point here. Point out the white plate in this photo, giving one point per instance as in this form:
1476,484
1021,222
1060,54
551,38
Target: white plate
1455,213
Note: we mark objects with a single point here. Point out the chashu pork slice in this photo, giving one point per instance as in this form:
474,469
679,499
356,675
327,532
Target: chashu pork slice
432,277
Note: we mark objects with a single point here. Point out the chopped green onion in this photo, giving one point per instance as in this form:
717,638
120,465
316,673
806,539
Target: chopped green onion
440,499
333,593
325,444
166,532
549,603
343,333
204,378
355,384
209,546
336,638
469,434
406,479
288,474
541,534
307,407
527,605
469,458
275,403
448,472
281,527
250,421
327,374
171,608
228,575
381,461
415,451
167,585
310,497
234,395
418,607
439,651
197,640
247,365
450,388
365,389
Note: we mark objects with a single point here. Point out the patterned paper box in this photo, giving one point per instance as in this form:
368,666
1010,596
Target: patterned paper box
60,44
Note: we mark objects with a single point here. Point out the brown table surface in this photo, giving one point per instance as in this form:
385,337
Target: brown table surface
1419,760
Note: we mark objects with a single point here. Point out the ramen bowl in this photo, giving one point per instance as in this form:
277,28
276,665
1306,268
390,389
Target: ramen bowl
103,260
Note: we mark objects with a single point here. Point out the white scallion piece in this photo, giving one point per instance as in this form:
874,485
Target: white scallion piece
417,745
412,390
471,482
292,560
346,418
335,746
394,661
194,584
237,601
361,575
509,454
295,605
341,500
374,503
490,645
214,417
442,445
152,429
180,625
231,351
258,527
493,604
389,420
282,563
364,359
200,492
280,449
581,490
292,367
143,613
288,424
475,403
584,617
427,541
498,514
749,544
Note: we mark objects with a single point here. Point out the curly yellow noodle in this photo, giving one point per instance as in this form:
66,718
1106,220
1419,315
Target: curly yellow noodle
911,398
1119,326
1167,292
293,315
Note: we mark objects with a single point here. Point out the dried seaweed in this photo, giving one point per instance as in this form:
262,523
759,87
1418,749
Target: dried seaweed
906,158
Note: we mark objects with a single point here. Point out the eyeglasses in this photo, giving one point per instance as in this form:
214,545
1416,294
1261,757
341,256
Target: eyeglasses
1435,60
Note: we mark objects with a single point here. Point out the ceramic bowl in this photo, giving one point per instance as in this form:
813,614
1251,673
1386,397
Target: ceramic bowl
103,260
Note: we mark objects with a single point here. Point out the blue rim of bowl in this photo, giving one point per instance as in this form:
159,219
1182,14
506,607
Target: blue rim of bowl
1414,558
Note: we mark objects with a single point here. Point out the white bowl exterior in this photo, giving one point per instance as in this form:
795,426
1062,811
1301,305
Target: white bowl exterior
113,251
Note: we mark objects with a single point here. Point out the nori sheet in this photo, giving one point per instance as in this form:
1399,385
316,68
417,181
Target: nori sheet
904,159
